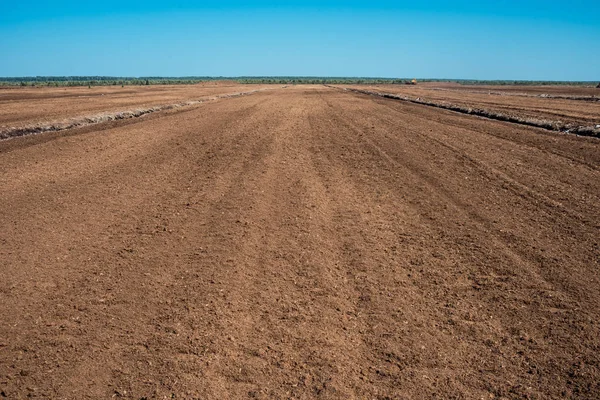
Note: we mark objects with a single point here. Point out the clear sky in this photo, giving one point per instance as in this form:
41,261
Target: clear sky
503,39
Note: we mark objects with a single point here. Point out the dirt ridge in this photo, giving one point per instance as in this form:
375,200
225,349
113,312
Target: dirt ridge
78,122
557,126
592,98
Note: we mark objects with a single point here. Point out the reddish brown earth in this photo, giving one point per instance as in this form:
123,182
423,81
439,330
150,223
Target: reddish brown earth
568,104
24,106
300,243
554,90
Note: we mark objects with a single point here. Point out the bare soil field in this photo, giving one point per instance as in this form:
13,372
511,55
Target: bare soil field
529,90
300,243
25,106
567,106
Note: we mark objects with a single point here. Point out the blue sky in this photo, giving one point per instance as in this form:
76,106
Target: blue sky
507,39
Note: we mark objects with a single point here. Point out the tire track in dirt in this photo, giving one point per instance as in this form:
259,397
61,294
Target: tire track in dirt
550,214
519,188
568,147
575,296
463,142
108,155
279,345
577,149
381,236
144,215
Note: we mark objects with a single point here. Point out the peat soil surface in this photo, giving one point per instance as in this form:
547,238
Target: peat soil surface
300,243
561,105
35,106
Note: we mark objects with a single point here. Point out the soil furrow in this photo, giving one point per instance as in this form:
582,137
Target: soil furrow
300,243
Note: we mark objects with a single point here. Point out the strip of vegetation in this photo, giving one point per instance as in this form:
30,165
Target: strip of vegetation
593,131
61,81
124,81
289,80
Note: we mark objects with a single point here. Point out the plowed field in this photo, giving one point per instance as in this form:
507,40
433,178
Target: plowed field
565,105
300,243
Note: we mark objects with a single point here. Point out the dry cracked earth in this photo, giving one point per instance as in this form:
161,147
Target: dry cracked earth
300,243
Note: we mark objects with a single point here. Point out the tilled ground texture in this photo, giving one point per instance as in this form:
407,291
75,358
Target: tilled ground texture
563,108
301,242
23,107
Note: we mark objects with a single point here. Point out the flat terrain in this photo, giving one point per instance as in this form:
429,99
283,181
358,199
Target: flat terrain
300,243
26,106
543,90
566,104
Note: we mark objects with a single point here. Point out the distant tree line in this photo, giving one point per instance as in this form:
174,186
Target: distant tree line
58,81
90,81
294,80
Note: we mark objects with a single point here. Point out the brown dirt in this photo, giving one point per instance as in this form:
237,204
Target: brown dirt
554,90
524,102
300,243
24,106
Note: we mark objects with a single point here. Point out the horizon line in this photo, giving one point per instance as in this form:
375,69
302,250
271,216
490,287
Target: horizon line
214,77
